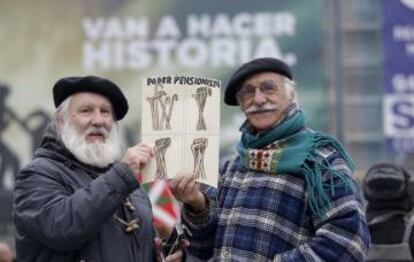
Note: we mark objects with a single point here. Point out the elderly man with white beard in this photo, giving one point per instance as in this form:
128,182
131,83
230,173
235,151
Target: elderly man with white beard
80,199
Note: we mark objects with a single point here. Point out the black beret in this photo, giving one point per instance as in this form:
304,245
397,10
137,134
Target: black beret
67,86
258,65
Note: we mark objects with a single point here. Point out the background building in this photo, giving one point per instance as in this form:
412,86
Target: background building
353,63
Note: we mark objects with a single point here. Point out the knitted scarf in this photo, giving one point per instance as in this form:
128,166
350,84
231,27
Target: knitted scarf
288,147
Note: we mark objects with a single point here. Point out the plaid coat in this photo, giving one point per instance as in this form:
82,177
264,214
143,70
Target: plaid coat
263,217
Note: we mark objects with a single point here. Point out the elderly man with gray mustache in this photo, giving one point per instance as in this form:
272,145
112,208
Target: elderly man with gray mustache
288,195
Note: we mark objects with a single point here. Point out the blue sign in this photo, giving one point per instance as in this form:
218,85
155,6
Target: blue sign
398,38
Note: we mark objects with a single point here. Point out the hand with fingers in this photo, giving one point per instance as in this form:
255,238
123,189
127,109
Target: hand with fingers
176,256
137,157
187,190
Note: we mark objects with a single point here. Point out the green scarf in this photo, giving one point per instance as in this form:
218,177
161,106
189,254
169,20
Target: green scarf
289,147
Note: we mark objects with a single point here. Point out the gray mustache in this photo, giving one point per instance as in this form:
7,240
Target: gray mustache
99,130
258,109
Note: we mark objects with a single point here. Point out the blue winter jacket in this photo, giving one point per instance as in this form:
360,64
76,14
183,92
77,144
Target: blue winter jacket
64,210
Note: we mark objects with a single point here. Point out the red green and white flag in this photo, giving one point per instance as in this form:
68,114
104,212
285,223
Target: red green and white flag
165,207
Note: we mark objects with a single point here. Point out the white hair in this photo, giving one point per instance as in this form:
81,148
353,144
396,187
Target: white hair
100,154
290,88
61,113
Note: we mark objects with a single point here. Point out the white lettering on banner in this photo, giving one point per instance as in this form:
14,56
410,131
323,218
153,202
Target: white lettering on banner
403,33
221,26
97,54
115,28
136,27
138,57
223,52
403,144
219,40
168,28
164,49
402,83
408,3
93,28
409,49
399,116
198,25
192,52
242,24
284,24
120,55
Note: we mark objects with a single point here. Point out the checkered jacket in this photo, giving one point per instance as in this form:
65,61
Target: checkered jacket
256,216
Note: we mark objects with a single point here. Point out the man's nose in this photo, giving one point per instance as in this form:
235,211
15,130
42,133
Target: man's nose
98,119
259,97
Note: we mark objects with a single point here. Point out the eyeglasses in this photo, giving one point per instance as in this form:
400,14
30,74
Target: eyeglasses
247,92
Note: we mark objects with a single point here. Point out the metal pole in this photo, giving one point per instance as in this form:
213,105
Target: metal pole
338,71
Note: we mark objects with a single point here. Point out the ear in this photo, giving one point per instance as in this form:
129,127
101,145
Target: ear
59,120
292,94
289,89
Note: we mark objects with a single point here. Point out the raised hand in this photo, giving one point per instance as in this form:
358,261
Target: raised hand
138,156
187,190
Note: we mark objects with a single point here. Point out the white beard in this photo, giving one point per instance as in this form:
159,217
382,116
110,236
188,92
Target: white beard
99,154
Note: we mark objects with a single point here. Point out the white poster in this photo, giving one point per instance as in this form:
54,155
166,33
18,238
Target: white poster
181,121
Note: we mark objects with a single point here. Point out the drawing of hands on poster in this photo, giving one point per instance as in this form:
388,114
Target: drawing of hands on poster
181,121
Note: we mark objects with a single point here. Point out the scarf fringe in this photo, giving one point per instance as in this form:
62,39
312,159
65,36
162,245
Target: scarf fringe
322,139
313,168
